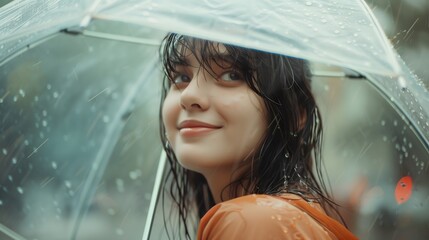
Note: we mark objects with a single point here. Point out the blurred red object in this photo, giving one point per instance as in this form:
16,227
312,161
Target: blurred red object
404,189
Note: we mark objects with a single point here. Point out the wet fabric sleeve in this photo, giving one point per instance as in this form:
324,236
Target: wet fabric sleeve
260,217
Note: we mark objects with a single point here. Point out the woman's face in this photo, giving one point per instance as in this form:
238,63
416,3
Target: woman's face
213,120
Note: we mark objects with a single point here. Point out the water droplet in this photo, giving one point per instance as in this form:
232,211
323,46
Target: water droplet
1,203
20,190
395,123
4,150
111,211
49,86
308,3
44,123
55,95
106,119
135,174
287,155
22,93
119,232
120,185
68,184
10,178
383,122
285,230
384,138
14,161
54,165
15,98
44,113
402,83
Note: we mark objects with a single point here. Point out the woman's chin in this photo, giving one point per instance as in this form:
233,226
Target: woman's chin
201,163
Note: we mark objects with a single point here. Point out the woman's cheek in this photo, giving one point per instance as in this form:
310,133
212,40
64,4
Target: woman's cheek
170,114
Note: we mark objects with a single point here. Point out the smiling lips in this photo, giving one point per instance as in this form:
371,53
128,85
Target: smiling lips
193,128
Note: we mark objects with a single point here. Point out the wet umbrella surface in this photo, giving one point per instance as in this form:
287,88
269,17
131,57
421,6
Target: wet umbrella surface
79,99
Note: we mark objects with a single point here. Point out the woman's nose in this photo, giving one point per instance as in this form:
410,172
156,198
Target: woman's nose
194,96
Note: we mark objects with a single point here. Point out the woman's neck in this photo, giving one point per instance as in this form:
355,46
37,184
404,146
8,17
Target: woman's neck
221,187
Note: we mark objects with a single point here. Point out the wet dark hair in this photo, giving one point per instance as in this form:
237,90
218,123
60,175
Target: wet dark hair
290,150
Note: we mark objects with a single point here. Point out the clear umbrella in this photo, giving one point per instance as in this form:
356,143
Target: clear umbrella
337,33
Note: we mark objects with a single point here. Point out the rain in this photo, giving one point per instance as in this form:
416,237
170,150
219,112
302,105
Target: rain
79,141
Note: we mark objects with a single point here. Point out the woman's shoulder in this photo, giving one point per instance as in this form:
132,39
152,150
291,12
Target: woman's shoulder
260,217
261,205
266,205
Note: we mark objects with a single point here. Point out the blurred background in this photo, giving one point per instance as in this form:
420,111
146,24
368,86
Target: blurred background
47,188
406,23
369,147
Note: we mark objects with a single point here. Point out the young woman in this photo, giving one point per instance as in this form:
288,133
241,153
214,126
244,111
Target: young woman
242,133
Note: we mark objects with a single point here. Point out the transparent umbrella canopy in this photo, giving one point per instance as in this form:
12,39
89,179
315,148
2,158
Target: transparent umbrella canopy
79,98
65,113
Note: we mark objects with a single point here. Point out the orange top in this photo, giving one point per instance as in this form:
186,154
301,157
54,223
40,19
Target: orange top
269,217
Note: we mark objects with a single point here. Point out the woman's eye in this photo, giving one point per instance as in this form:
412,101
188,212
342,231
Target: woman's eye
231,76
181,78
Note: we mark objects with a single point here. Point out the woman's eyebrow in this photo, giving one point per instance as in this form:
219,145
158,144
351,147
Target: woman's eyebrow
180,62
225,57
223,60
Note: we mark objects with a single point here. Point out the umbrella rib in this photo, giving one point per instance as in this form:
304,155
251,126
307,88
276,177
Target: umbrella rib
117,37
9,232
25,48
155,195
335,74
389,52
87,18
